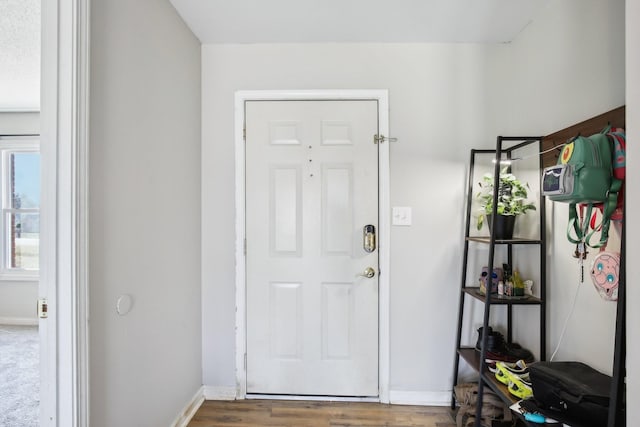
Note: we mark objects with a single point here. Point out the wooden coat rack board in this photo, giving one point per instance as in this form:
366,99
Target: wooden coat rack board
616,118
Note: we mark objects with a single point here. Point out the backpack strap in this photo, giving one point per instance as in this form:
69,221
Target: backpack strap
609,207
578,226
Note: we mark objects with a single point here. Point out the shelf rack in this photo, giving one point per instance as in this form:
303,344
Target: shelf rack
505,147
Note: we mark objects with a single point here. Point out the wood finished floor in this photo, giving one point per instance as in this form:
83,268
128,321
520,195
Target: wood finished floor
287,413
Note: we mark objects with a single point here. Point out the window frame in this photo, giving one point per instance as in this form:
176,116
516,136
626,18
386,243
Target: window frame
10,144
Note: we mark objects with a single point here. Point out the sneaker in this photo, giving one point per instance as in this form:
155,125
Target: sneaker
510,353
499,349
520,386
504,370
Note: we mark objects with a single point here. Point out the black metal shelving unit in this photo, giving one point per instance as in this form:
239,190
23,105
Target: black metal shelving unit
505,148
617,403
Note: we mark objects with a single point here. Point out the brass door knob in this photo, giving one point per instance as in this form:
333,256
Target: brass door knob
368,272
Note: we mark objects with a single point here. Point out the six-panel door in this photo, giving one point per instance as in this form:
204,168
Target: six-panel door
311,188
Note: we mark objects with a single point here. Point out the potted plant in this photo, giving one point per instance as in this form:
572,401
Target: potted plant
512,202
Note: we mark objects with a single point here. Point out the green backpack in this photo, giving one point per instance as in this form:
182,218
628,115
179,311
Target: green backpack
584,176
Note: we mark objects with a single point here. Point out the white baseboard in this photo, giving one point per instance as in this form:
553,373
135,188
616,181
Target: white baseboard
311,398
219,393
19,321
422,398
190,409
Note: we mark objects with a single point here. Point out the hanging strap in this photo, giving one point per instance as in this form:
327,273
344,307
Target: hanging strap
579,229
609,206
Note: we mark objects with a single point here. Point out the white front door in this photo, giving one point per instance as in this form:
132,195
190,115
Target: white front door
311,188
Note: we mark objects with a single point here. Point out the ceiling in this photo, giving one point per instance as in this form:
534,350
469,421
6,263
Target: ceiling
19,55
357,21
280,21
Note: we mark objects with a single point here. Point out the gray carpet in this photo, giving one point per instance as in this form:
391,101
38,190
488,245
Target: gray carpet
19,376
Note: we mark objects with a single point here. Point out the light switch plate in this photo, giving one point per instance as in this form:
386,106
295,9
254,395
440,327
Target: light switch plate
401,215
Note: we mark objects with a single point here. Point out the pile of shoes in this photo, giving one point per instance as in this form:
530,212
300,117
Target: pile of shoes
500,350
516,377
508,361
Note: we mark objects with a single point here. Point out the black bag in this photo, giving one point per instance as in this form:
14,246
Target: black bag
571,392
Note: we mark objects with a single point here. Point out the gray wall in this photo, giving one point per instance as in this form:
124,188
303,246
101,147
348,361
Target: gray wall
438,112
445,99
544,89
18,298
144,213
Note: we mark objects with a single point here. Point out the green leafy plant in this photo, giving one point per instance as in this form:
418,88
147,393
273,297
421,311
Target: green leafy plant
512,196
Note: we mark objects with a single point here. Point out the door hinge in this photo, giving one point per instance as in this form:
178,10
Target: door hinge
245,361
245,246
381,138
244,133
43,308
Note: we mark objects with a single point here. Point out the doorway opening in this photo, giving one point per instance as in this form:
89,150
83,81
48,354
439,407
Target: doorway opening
19,269
20,337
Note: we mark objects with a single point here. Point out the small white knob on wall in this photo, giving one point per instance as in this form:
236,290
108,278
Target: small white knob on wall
124,304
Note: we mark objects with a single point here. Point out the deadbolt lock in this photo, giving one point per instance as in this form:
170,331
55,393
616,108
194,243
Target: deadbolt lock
369,238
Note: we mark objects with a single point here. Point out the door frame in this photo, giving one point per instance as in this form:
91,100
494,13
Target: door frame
384,226
64,122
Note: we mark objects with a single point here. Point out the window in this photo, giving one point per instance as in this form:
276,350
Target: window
20,223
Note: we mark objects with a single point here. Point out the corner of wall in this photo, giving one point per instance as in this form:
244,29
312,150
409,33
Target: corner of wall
190,409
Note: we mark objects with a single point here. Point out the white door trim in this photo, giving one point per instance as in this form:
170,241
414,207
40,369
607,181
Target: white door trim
64,242
382,96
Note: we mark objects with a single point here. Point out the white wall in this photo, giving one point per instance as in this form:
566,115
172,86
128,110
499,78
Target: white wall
445,99
144,214
19,122
633,206
557,74
439,110
18,298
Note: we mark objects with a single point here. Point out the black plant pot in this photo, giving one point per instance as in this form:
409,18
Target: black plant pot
504,226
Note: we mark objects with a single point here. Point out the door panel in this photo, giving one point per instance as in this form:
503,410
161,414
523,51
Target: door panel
311,185
337,209
285,213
